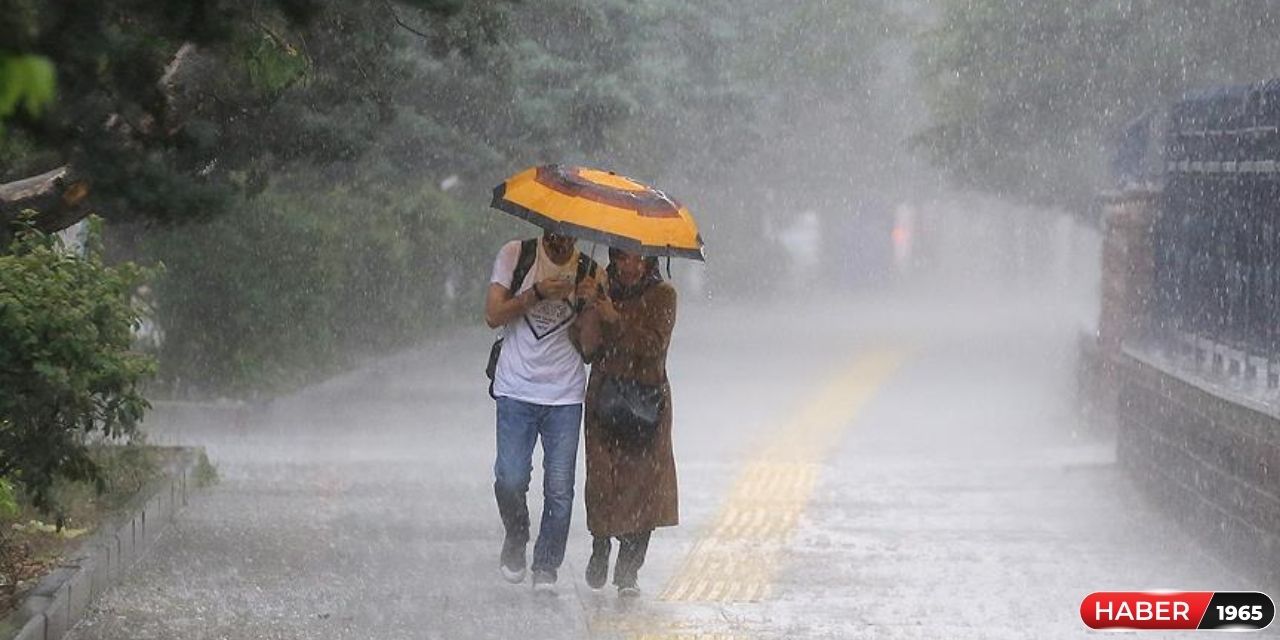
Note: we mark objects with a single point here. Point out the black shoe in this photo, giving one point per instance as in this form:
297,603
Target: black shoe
598,565
626,583
628,590
512,563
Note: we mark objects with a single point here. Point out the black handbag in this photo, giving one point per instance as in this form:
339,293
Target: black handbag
630,411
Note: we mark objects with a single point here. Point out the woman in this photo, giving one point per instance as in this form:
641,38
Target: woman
631,473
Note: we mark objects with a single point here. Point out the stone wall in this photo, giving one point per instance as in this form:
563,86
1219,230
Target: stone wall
1210,459
1209,455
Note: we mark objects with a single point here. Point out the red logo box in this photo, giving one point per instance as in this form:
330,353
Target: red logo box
1145,609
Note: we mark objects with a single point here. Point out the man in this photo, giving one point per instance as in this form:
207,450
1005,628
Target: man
539,384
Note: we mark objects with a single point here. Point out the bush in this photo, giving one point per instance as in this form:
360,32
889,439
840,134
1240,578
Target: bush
67,370
8,500
206,473
301,280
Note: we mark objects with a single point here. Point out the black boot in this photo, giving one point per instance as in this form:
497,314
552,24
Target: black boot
631,552
598,565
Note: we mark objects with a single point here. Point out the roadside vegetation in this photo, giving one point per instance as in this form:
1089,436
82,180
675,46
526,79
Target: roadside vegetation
71,399
1025,96
314,174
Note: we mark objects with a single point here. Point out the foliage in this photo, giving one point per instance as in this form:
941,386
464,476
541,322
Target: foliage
303,279
207,105
347,251
169,109
8,500
67,373
280,158
1023,93
26,83
123,470
652,88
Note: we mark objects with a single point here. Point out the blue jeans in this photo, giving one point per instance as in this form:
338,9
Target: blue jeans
520,424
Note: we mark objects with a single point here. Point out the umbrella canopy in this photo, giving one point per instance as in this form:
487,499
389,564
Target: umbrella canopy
601,206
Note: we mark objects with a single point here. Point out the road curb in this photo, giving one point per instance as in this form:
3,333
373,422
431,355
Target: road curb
61,598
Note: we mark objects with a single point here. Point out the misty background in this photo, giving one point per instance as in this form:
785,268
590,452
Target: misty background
314,176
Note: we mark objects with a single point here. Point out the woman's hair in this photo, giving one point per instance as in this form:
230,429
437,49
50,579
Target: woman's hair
650,262
617,290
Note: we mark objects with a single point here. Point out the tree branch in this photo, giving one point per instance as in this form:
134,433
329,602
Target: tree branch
395,16
58,196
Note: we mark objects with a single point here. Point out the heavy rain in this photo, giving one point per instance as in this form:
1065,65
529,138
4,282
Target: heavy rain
638,319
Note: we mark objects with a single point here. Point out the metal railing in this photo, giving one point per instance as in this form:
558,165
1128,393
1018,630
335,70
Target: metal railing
1216,241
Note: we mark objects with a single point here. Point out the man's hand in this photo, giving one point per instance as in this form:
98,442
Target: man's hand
555,288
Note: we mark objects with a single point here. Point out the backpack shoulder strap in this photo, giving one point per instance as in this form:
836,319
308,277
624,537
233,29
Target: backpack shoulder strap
528,252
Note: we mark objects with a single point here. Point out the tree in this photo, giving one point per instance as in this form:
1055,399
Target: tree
167,110
309,274
283,159
1024,94
67,372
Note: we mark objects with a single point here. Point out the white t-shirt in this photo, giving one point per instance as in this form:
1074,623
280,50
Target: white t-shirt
538,363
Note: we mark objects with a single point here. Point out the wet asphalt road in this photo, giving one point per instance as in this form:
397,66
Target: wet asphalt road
872,468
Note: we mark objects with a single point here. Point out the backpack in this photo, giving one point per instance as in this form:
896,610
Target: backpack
528,253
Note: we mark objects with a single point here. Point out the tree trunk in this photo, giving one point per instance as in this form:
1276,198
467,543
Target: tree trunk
58,197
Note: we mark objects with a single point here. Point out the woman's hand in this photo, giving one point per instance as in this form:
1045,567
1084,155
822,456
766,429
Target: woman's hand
608,312
603,304
588,291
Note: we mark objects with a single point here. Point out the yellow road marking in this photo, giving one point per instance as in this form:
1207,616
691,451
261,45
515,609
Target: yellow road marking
738,557
741,551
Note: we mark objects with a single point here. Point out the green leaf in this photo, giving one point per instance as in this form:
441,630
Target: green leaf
27,82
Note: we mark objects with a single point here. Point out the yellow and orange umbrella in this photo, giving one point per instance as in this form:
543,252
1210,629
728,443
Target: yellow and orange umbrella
601,206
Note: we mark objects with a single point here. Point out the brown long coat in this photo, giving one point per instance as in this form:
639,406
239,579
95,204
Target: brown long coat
630,489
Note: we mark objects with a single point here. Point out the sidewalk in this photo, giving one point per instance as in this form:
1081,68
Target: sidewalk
942,496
